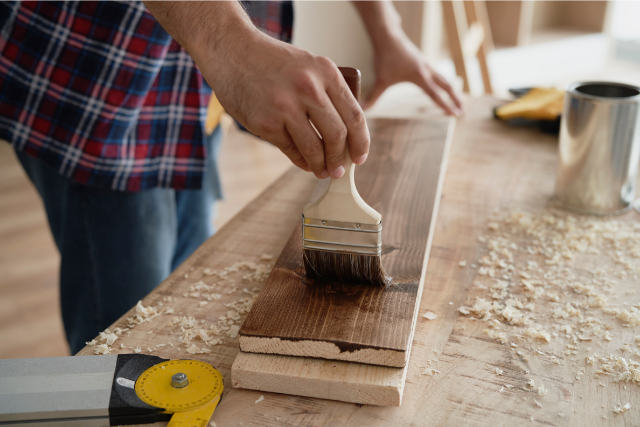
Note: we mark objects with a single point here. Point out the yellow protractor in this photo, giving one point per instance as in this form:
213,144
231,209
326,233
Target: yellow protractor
188,389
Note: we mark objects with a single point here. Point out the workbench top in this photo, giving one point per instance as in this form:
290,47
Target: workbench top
491,165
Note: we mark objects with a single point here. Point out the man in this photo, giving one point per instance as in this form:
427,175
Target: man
106,108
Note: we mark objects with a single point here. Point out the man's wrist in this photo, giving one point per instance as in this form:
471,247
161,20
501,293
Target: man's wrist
382,21
207,30
220,36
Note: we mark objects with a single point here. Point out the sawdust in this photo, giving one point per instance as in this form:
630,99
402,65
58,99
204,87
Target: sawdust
102,349
430,371
213,289
528,274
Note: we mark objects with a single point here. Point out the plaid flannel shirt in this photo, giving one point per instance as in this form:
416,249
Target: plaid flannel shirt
101,93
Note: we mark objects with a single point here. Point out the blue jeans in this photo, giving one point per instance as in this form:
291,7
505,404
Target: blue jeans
115,246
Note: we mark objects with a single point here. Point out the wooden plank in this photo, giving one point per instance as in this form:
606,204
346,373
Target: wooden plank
491,165
296,316
329,379
325,379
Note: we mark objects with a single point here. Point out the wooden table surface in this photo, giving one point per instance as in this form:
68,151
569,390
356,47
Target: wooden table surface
491,166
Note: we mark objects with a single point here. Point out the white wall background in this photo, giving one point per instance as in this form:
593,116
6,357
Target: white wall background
625,22
334,29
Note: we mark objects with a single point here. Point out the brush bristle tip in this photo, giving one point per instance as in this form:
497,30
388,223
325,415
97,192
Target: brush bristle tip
345,267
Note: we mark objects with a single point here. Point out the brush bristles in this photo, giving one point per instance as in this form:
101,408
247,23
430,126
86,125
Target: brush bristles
345,268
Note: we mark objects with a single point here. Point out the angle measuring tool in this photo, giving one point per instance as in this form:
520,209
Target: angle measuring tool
118,389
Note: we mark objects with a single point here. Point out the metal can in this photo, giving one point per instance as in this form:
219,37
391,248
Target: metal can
599,148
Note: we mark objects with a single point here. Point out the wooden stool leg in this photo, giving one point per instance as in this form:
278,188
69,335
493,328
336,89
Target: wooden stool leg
455,32
476,12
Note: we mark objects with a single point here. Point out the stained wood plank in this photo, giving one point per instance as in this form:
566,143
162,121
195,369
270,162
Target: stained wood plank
297,316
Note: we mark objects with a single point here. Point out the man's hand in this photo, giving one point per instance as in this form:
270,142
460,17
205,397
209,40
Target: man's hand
275,90
397,59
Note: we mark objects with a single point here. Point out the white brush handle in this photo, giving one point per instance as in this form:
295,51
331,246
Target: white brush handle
341,201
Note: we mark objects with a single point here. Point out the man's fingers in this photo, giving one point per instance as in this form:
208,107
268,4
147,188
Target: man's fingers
326,119
428,86
308,143
285,143
444,84
353,118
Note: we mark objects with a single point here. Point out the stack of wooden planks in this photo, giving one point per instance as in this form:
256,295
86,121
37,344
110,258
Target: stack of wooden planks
298,327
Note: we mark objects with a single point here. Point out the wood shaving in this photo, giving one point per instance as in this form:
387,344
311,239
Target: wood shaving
538,333
501,337
193,349
102,349
619,408
542,391
233,331
430,315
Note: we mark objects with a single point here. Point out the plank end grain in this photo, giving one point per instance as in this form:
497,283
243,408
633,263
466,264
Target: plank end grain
325,379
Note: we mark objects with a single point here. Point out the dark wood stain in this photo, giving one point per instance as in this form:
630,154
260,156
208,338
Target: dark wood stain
400,180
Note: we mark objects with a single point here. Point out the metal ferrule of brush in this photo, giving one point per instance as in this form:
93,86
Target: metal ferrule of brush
344,237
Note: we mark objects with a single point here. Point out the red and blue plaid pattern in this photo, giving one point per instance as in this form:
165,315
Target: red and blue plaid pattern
101,93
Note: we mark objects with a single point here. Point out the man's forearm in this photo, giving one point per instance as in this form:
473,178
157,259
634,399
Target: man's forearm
202,28
381,20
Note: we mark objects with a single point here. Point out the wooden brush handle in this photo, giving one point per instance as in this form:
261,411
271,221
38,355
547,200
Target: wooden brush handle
341,201
353,79
343,185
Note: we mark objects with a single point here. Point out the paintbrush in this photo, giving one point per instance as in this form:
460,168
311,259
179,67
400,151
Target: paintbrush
341,234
